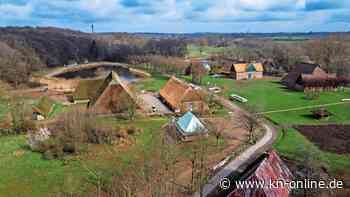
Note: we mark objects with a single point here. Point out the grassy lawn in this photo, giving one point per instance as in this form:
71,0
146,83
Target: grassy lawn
152,84
195,51
25,173
57,109
293,145
269,95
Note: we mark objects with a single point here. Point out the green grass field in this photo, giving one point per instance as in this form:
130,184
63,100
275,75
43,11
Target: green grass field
195,51
294,145
152,84
25,173
270,95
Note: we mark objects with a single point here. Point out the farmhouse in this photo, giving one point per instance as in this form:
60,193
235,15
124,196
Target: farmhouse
182,97
109,95
303,73
43,108
271,169
241,71
189,127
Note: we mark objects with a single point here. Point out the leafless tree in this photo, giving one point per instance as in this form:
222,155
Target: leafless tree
332,53
198,72
250,122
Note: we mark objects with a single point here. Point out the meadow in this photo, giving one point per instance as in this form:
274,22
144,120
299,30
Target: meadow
269,96
27,173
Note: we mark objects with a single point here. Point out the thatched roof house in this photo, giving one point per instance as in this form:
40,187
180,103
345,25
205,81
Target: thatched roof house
271,169
109,95
43,108
303,72
182,97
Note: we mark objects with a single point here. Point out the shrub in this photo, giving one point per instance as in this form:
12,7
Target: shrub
72,132
35,139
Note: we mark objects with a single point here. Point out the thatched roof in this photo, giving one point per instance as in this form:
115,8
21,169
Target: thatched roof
86,89
175,91
102,91
44,106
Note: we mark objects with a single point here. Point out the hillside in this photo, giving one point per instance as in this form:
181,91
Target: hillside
54,46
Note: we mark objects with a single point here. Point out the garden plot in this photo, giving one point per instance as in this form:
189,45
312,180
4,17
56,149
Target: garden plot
331,138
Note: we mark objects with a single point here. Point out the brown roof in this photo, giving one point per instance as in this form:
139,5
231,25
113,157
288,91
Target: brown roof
304,71
93,89
175,91
86,89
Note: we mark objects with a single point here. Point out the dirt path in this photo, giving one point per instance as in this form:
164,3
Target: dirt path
302,108
246,157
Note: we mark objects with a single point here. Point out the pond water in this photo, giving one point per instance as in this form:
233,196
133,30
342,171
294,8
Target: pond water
100,71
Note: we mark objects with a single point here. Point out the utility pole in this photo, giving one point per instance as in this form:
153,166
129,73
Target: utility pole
92,28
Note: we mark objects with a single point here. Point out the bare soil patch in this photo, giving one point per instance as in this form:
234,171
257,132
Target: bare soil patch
331,138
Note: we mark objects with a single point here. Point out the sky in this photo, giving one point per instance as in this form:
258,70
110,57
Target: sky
180,16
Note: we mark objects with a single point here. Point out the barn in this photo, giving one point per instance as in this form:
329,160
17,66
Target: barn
304,72
182,97
108,95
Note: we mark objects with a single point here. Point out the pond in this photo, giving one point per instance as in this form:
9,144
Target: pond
100,71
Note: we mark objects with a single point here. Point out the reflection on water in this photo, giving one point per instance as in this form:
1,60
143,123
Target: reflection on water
100,71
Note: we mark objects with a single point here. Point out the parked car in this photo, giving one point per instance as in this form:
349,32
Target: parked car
215,89
236,97
217,75
154,108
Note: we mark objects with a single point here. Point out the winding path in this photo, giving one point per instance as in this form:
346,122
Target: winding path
248,156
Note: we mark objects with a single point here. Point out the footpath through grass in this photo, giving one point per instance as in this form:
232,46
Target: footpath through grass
270,95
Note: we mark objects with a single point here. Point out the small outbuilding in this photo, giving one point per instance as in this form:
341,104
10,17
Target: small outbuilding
182,97
189,127
321,113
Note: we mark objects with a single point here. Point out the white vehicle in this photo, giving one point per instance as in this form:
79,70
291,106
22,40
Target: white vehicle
154,108
238,98
217,75
215,89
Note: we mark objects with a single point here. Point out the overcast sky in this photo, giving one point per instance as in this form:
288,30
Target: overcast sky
180,16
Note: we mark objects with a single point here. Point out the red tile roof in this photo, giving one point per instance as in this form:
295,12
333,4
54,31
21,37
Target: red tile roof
272,168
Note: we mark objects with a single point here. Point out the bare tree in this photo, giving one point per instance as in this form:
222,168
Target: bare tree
249,122
198,72
332,53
